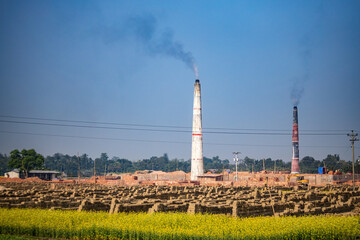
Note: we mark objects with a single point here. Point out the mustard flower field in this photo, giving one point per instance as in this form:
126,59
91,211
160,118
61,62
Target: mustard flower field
101,225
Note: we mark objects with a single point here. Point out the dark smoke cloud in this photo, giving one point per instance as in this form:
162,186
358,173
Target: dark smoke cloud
298,88
306,48
155,41
297,91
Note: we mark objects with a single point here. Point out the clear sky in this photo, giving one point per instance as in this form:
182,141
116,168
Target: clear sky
129,62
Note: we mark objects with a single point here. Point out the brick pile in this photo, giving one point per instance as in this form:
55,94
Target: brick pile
230,200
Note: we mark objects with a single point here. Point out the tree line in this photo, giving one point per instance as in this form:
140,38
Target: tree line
83,165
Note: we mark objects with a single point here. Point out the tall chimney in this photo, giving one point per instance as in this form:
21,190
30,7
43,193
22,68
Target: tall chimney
197,165
295,143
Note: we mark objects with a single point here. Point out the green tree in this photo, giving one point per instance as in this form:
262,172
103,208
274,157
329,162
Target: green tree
26,160
70,164
4,161
117,165
331,161
101,164
249,163
216,164
309,165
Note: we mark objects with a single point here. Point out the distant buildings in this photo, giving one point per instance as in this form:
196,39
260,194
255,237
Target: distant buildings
42,174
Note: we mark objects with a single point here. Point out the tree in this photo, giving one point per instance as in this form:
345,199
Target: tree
331,162
101,164
215,164
26,160
249,163
309,165
70,164
117,165
4,161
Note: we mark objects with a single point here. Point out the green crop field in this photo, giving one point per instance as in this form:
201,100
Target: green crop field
12,237
101,225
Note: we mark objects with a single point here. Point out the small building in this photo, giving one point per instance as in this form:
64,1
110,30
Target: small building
210,177
44,174
13,174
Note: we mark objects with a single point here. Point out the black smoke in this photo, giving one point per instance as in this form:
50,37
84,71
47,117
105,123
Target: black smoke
145,30
299,82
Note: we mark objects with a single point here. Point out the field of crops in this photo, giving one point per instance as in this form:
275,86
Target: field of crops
101,225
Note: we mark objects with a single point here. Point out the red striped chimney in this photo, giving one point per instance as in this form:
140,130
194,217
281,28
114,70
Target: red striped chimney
295,143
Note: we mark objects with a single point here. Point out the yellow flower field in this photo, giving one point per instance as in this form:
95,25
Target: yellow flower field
101,225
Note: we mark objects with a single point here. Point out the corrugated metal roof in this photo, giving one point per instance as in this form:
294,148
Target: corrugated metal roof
210,175
42,171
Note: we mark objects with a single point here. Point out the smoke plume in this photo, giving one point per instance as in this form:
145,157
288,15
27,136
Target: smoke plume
144,29
298,88
297,91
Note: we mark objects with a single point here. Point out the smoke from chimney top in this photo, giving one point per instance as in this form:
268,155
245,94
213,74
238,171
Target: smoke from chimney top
144,29
298,87
196,71
297,91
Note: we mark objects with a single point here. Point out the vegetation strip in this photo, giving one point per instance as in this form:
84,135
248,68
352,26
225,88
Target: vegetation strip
27,160
100,225
12,237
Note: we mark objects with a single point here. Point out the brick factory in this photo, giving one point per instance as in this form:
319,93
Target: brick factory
197,176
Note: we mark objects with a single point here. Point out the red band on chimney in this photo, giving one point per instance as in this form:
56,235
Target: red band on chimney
295,136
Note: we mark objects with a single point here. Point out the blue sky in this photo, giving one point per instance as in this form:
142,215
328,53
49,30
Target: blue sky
128,62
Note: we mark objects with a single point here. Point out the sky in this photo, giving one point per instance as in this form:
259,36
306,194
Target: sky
117,77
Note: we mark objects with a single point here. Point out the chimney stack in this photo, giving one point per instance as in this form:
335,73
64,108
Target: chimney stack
197,165
295,143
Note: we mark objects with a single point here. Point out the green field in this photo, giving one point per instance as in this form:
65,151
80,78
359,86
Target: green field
11,237
101,225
